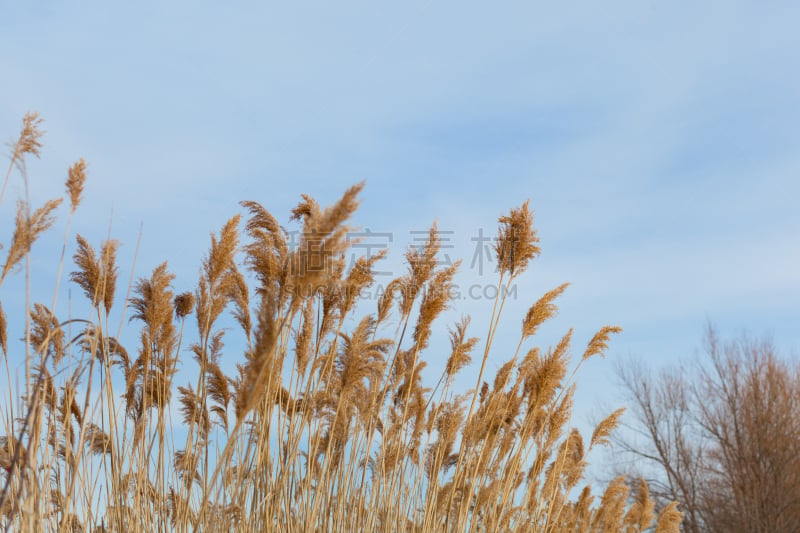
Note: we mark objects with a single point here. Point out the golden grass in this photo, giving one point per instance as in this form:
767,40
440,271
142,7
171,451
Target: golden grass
322,427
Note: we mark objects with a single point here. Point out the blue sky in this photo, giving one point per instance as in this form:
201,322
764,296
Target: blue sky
657,142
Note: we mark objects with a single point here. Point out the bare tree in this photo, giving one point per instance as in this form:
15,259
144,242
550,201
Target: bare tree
722,436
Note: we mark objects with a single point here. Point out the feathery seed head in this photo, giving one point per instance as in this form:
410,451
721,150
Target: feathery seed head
501,378
3,331
517,240
304,336
152,304
97,276
76,177
110,271
434,301
460,348
599,343
184,303
603,430
669,519
28,142
386,299
47,336
640,515
360,277
541,311
322,242
27,230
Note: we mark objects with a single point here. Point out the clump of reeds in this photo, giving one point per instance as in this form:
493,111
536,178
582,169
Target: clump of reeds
322,426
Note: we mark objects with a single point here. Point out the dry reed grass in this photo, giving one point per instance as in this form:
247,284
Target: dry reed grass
322,427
